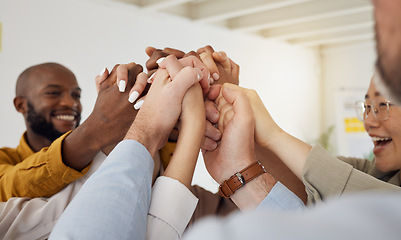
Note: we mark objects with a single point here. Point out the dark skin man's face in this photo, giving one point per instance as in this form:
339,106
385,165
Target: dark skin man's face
53,103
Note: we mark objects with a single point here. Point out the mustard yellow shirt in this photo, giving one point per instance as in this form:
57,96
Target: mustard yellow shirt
166,153
24,173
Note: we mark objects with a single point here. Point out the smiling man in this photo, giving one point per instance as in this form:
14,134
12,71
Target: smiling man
48,96
50,156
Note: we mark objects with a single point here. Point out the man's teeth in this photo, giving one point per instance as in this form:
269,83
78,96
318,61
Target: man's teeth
377,139
66,117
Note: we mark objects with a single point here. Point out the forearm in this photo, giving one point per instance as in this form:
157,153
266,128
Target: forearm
183,162
292,151
280,171
81,146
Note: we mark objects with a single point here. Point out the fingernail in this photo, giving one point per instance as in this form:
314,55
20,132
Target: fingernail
133,96
160,60
121,85
211,81
214,146
200,76
102,72
150,78
216,76
138,104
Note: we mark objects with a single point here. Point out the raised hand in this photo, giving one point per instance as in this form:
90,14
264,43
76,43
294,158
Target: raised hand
107,124
236,149
155,54
229,73
222,69
162,105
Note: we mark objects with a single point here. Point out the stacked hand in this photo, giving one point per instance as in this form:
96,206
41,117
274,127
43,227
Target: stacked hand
162,106
107,124
236,122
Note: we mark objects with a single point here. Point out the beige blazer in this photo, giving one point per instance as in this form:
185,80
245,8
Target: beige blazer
326,176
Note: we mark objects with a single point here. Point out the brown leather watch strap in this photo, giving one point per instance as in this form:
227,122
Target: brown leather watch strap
236,181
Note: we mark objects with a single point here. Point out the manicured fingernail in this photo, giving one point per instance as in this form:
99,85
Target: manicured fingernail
216,76
102,72
121,85
133,96
150,78
138,104
160,60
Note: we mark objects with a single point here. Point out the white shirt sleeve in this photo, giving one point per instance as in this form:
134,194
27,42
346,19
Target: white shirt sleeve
34,218
171,208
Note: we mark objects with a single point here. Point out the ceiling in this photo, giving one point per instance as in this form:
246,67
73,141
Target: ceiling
307,23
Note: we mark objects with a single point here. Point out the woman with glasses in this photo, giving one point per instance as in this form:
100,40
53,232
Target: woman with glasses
324,176
382,121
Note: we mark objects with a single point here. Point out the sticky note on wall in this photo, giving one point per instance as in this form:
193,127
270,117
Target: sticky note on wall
353,125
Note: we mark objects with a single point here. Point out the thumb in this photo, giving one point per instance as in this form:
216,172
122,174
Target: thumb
237,97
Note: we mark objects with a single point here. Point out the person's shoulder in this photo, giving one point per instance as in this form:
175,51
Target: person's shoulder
8,154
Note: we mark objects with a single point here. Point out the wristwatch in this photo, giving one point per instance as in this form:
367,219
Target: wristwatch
239,179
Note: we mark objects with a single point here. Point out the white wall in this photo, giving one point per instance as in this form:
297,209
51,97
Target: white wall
87,35
347,70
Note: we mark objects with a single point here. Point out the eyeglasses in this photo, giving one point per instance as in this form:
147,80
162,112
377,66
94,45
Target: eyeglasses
380,109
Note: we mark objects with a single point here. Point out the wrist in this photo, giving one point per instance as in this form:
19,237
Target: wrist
136,133
88,134
269,136
241,179
253,193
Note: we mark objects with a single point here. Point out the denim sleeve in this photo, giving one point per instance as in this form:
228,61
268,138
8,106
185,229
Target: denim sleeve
281,198
114,202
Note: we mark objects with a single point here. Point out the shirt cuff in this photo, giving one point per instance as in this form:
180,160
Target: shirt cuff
281,198
173,203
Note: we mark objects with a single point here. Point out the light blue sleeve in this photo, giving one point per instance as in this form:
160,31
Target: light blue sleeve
114,202
281,198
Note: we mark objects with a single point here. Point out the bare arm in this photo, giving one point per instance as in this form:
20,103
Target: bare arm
192,128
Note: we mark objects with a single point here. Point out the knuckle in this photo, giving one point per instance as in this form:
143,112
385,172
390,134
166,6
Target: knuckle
171,57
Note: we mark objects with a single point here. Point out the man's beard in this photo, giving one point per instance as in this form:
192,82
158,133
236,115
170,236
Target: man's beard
40,126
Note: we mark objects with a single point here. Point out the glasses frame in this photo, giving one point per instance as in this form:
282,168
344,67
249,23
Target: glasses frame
373,110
